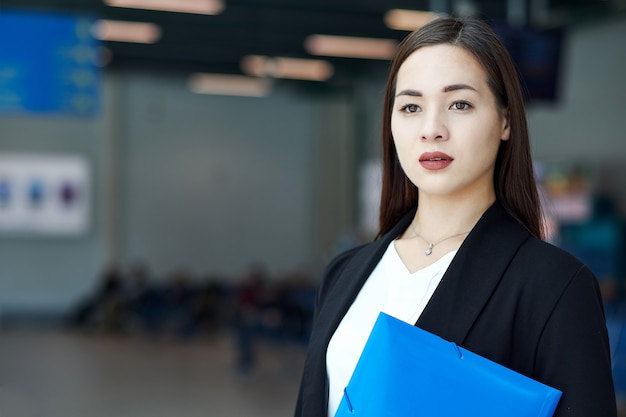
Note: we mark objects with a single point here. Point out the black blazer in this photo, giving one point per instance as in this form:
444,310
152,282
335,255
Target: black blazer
507,296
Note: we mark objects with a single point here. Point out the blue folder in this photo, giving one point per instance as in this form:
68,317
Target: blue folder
407,371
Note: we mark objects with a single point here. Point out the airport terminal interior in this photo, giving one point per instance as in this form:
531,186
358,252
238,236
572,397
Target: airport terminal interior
175,176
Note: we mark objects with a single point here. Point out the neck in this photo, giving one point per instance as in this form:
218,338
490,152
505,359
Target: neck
437,218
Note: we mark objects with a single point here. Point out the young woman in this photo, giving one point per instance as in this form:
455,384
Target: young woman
459,251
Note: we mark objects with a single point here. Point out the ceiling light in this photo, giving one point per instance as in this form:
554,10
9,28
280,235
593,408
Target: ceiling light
118,31
350,47
293,68
410,20
229,85
182,6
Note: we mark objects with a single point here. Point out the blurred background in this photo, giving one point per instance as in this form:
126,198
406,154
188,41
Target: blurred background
175,175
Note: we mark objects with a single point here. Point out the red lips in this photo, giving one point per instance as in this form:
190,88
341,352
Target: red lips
434,161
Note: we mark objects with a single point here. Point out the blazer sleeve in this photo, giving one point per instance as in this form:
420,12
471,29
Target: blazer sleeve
574,354
315,388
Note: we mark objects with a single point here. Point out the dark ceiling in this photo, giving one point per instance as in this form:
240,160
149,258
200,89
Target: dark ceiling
279,27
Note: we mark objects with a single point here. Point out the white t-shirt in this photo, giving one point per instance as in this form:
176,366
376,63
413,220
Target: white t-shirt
390,288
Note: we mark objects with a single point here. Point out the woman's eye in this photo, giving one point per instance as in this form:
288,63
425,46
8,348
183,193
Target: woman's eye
410,108
460,105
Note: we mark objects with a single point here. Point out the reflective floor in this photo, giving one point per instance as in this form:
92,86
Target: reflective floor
56,373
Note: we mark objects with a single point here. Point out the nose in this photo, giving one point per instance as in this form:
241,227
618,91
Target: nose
434,127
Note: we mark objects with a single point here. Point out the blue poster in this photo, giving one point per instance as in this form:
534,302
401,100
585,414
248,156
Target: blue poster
48,64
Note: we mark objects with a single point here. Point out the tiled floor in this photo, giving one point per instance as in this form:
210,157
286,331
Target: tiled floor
56,373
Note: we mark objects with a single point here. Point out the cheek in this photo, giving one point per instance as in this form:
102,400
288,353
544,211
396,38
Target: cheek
394,127
395,136
400,146
398,133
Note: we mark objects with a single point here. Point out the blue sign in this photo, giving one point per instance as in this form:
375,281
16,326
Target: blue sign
48,64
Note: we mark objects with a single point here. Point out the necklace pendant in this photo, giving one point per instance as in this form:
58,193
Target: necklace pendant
428,250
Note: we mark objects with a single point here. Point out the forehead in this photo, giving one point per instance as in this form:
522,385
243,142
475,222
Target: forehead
437,66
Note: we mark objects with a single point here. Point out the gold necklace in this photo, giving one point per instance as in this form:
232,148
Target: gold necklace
431,245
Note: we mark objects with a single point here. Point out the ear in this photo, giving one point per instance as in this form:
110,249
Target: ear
506,125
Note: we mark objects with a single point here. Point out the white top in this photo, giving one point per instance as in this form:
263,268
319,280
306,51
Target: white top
390,288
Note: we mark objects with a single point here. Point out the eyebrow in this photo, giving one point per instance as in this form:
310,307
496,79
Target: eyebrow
455,87
446,89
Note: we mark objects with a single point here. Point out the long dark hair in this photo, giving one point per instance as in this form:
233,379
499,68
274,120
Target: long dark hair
514,181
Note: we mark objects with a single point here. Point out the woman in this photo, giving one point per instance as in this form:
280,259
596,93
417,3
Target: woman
459,251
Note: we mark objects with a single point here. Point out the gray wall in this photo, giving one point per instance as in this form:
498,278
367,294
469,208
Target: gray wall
588,126
214,183
41,271
208,183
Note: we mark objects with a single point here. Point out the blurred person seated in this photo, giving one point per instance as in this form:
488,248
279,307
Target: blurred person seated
248,299
104,308
180,302
144,304
277,310
210,311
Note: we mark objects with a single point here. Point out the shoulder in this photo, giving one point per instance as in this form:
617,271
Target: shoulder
550,275
555,263
534,259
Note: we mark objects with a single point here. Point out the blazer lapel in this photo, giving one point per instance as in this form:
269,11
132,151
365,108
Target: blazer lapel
473,275
352,279
336,303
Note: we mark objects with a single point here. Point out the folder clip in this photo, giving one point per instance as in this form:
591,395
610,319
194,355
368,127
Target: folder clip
458,351
347,397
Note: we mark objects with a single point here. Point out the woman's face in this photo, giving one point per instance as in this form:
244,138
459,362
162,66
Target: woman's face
445,123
